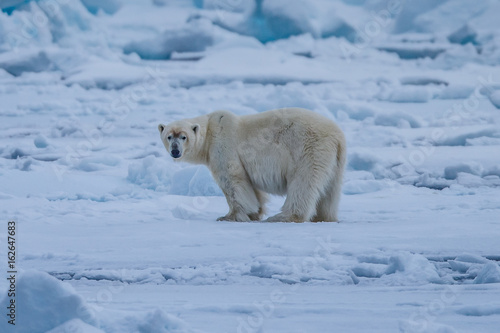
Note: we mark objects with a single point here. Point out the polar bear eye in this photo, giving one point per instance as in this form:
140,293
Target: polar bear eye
169,137
183,137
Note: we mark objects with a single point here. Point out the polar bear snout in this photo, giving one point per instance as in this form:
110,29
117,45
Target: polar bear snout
175,151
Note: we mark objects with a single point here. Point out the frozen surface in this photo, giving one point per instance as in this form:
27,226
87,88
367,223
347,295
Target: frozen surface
113,236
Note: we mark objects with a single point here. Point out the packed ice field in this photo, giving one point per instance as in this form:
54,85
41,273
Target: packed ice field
113,236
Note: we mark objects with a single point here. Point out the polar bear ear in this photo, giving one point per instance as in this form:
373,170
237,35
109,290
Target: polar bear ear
161,127
195,128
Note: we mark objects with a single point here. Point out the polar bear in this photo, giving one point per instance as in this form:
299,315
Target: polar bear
291,151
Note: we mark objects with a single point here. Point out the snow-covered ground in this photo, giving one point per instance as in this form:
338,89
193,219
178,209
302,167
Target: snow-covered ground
112,236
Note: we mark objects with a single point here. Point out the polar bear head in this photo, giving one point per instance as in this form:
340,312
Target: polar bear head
181,139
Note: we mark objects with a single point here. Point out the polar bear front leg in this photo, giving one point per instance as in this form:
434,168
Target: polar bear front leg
241,197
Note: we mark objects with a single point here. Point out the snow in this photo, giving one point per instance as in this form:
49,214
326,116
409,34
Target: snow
495,98
113,236
47,302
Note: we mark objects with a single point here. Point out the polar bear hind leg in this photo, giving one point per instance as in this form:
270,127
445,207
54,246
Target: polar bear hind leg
313,193
303,193
327,207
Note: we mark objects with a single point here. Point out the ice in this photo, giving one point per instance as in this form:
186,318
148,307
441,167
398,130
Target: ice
410,94
413,267
412,51
364,186
490,273
451,172
292,20
103,208
405,21
480,310
105,74
41,142
202,184
151,173
75,326
108,6
463,139
39,23
471,258
397,120
194,37
29,62
158,175
463,35
369,270
431,327
358,161
495,98
456,91
159,321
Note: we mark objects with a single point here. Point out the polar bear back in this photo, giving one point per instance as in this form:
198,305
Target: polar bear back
274,143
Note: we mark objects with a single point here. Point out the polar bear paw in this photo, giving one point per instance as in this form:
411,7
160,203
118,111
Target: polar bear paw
236,217
282,217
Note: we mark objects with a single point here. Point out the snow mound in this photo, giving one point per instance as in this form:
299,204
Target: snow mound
195,181
196,36
285,19
495,98
452,171
463,139
413,267
400,120
75,326
105,74
47,303
427,326
490,273
370,163
40,23
361,186
41,142
108,6
480,310
464,35
151,173
399,269
278,19
405,21
28,62
447,17
157,174
160,322
358,161
410,94
456,91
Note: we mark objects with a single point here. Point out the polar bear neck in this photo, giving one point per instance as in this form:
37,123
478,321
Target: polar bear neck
199,151
199,154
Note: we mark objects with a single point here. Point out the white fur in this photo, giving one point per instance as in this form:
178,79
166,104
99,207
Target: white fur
288,151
